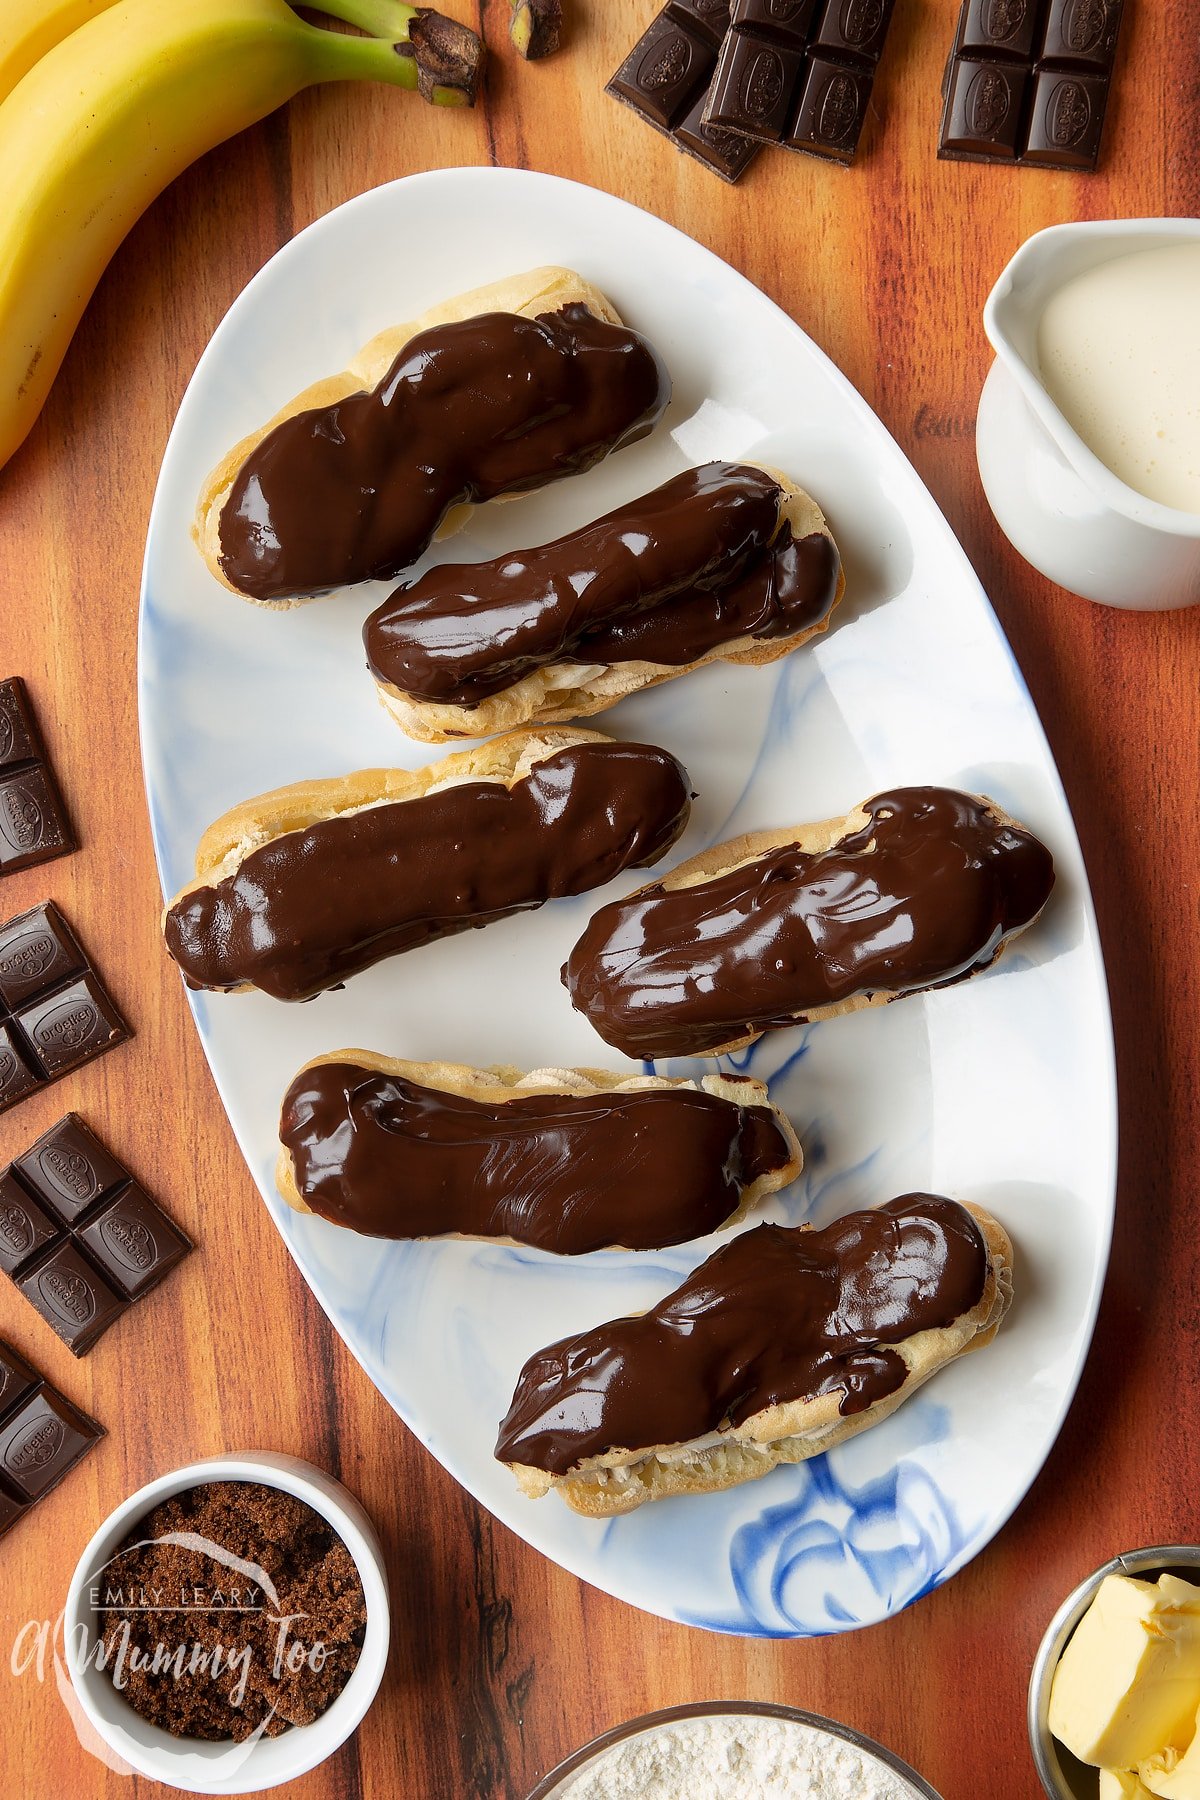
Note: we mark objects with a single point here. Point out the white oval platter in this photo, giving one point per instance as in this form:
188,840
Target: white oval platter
1000,1090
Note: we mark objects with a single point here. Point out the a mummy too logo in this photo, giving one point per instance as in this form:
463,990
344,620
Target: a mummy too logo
231,1632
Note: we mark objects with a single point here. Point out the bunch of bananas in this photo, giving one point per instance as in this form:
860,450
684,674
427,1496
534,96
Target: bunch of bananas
103,102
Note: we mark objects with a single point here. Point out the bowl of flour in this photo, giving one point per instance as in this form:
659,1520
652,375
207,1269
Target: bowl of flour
733,1750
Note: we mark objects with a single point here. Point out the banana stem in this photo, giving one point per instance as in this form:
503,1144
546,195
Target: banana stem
409,46
378,18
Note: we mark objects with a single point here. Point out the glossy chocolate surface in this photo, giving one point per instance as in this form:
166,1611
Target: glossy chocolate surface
564,1172
790,589
781,1314
923,894
496,404
315,906
692,565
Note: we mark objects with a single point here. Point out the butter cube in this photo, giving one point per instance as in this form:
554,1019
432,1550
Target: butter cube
1172,1776
1122,1784
1128,1685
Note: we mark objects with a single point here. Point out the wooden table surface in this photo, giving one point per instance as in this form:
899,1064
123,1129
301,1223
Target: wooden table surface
501,1663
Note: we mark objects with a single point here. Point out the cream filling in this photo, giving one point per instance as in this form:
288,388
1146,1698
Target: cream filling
699,1451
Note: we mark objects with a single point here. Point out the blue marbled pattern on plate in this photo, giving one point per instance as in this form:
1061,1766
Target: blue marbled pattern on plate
999,1091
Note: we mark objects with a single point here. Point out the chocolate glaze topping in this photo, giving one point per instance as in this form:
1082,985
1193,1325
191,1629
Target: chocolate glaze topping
567,1173
924,894
312,907
780,1314
697,563
496,404
790,589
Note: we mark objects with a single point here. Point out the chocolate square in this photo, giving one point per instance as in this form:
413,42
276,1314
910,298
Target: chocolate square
38,949
727,153
16,1077
72,1026
832,107
998,28
69,1168
33,825
752,89
1066,119
42,1442
19,740
17,1379
11,1510
984,104
708,17
72,1297
24,1228
853,28
788,19
1083,33
664,71
134,1242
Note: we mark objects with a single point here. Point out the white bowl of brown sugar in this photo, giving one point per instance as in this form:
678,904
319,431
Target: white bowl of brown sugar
227,1627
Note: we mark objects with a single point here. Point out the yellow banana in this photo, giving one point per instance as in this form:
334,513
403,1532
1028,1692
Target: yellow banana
111,114
28,28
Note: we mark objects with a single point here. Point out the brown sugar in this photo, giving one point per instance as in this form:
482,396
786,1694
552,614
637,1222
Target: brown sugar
254,1621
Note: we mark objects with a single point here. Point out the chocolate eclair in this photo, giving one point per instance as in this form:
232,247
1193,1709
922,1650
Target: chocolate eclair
494,393
918,888
566,1160
728,561
301,888
780,1346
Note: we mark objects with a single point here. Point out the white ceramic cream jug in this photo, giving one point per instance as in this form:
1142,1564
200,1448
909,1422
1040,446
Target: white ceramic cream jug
1055,501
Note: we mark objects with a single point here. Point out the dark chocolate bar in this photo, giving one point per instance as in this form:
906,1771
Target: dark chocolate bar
72,1297
55,1012
799,73
134,1242
17,1378
79,1236
42,1437
33,822
665,79
1027,82
24,1227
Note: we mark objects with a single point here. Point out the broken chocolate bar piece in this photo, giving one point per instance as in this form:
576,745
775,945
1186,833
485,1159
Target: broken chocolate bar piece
134,1242
33,822
799,73
665,79
1028,82
25,1228
72,1297
79,1236
55,1012
17,1378
68,1168
42,1437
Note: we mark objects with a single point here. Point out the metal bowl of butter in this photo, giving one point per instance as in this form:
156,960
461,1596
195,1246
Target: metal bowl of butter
1063,1776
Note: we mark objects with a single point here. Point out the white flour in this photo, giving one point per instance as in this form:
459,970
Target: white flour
737,1757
